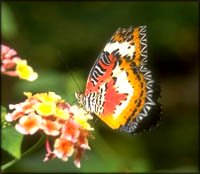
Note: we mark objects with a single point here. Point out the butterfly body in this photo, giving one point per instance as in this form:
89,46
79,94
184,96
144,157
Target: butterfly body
119,89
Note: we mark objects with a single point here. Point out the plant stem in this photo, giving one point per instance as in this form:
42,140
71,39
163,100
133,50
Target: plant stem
36,145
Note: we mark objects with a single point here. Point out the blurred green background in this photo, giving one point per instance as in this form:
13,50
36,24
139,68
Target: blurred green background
63,39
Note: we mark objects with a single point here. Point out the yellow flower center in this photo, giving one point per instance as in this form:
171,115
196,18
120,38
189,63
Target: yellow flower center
24,71
48,97
60,113
46,108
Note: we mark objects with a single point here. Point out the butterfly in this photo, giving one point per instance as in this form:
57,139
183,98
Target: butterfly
120,89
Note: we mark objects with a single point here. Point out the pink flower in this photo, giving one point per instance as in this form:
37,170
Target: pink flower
64,105
14,115
82,140
12,65
63,148
29,124
51,127
77,158
67,125
7,52
82,144
19,110
49,155
70,130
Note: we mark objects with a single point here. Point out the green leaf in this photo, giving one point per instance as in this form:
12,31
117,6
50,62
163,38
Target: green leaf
4,123
11,141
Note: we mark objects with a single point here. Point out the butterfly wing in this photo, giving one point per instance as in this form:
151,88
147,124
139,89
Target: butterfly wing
119,88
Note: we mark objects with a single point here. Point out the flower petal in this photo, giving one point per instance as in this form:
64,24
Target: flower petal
63,148
70,130
45,108
51,127
24,71
29,124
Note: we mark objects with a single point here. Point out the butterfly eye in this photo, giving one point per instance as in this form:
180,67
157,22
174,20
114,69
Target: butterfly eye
80,97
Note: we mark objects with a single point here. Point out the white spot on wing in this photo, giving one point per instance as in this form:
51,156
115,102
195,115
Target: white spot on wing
124,48
122,86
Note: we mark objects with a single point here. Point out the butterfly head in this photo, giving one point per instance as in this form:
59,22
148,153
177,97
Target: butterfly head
80,98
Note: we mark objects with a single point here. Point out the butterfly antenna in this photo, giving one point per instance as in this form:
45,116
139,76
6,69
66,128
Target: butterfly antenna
66,66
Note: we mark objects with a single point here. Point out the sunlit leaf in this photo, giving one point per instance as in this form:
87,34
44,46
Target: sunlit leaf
11,141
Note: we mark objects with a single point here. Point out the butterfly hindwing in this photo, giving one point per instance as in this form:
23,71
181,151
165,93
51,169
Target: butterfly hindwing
119,88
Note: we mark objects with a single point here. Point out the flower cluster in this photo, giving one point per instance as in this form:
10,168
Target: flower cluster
67,125
13,65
